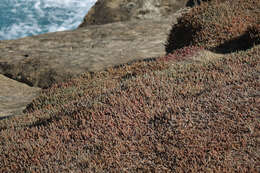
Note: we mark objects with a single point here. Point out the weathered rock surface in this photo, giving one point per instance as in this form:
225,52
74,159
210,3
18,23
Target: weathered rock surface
54,57
14,96
108,11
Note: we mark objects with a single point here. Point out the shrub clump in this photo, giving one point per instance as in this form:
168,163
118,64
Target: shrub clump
213,24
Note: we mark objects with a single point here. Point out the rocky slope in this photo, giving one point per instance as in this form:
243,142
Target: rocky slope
43,60
49,58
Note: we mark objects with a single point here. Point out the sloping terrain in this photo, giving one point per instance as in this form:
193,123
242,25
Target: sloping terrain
43,60
149,116
192,110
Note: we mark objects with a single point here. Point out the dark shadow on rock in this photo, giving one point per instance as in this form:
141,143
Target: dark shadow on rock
192,3
5,117
240,43
21,79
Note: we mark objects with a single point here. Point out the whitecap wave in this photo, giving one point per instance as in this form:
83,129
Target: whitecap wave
21,18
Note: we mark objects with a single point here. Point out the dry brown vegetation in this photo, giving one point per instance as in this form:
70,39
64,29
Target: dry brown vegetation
164,114
217,26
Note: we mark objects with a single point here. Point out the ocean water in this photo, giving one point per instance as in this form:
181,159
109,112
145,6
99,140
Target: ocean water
21,18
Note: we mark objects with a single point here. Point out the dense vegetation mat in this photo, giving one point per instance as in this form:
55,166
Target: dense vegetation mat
185,112
157,115
223,27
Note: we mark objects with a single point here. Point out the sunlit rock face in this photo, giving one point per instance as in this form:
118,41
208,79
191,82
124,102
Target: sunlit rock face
108,11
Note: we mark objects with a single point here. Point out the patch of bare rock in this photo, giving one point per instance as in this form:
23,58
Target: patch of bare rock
108,11
49,58
14,96
40,61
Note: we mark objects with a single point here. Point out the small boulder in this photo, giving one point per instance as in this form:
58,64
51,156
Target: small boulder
108,11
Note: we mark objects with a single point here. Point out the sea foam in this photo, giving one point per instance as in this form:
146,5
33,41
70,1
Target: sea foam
21,18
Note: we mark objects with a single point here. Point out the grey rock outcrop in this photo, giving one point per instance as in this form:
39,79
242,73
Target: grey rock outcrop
108,11
14,96
54,57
